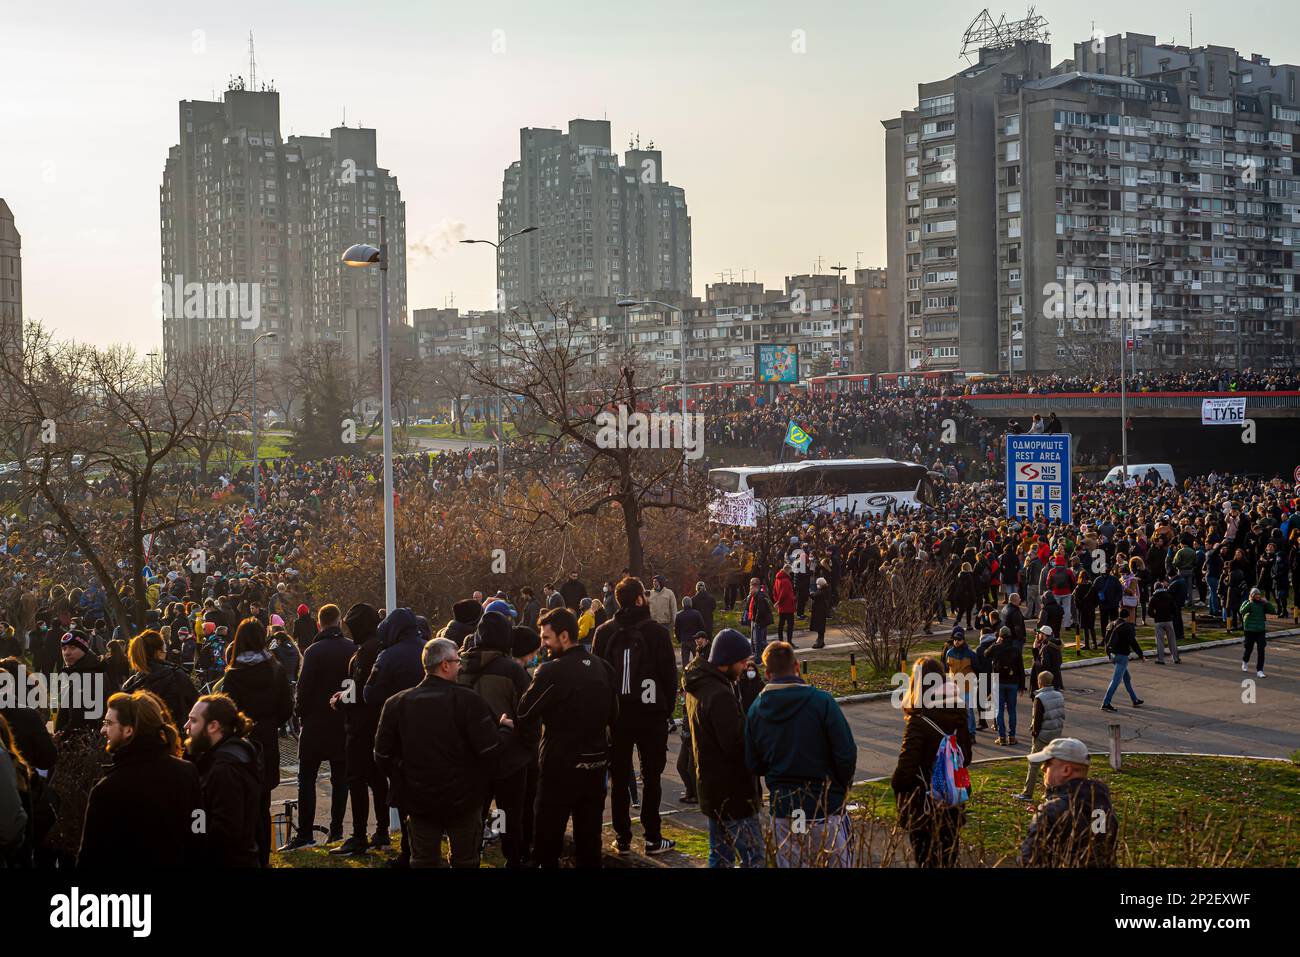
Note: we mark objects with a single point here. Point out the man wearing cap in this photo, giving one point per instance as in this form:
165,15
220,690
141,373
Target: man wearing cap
1047,658
1046,724
727,790
96,685
1076,825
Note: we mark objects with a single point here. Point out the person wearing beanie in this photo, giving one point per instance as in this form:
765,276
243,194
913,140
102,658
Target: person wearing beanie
304,629
501,607
360,721
524,642
960,664
727,791
490,669
465,616
79,660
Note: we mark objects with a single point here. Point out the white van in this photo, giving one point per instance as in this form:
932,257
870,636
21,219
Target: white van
1139,472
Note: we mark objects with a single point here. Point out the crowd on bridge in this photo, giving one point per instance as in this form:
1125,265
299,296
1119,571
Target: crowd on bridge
1206,380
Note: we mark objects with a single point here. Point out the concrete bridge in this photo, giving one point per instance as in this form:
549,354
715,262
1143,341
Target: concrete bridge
1164,427
1139,405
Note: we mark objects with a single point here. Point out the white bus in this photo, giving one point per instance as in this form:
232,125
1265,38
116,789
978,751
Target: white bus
859,486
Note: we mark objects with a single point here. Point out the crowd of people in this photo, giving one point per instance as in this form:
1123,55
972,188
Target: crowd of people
547,697
1206,380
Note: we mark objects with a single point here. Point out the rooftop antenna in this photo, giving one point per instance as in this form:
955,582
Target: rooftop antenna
859,263
252,64
1191,41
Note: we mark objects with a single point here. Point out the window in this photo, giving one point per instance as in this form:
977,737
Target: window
1013,150
1013,227
1012,127
1013,202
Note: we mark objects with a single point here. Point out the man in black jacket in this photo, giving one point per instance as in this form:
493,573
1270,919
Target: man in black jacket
573,592
360,720
440,743
727,790
704,603
231,777
574,699
323,738
1013,617
641,654
1121,642
142,812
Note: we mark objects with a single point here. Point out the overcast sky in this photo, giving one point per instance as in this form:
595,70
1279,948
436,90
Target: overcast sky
780,152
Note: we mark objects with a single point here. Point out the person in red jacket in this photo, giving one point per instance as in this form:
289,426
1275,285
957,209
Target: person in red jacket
784,599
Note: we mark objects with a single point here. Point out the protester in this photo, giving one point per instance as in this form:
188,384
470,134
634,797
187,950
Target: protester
360,722
1045,725
1075,826
1120,644
574,700
727,790
152,672
258,686
1254,612
640,651
489,670
443,778
797,738
143,810
231,778
323,739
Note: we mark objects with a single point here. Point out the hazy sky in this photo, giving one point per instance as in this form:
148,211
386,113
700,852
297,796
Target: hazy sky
780,152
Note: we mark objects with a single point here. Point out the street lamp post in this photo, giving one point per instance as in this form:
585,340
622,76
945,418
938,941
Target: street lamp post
1123,384
501,427
257,471
360,255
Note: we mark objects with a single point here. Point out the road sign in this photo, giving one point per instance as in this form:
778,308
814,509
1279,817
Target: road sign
1038,476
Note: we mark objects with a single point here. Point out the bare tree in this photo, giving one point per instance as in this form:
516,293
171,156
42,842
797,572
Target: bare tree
77,411
576,397
226,377
888,608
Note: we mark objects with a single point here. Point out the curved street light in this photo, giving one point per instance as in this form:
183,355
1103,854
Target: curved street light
362,255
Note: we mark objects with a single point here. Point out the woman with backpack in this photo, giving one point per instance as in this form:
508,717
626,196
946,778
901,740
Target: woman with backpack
932,710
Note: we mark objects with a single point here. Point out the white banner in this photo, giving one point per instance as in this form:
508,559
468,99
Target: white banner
734,508
1223,411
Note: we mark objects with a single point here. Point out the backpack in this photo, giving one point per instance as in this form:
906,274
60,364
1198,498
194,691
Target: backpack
631,656
983,573
1060,577
950,778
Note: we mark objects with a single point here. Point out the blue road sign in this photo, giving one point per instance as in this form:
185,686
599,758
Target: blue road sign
1038,476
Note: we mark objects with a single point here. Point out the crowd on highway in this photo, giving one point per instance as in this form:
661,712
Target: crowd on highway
547,694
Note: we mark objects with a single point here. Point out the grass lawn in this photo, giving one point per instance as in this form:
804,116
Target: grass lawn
1173,811
319,856
475,430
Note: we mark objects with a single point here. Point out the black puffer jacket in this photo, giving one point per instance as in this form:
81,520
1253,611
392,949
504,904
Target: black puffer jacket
169,683
727,789
501,681
231,777
260,688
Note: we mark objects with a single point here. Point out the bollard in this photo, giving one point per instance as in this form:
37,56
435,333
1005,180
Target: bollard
1115,759
1077,650
805,667
1193,626
853,669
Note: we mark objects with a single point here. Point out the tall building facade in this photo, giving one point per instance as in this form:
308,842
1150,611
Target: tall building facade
607,228
941,216
1025,200
253,217
1147,162
11,277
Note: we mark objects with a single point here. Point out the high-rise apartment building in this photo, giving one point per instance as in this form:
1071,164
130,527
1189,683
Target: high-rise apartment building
940,215
1025,203
255,223
607,228
1146,162
11,277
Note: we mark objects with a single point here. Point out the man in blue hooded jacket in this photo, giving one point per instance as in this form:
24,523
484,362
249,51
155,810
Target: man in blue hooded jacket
797,738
